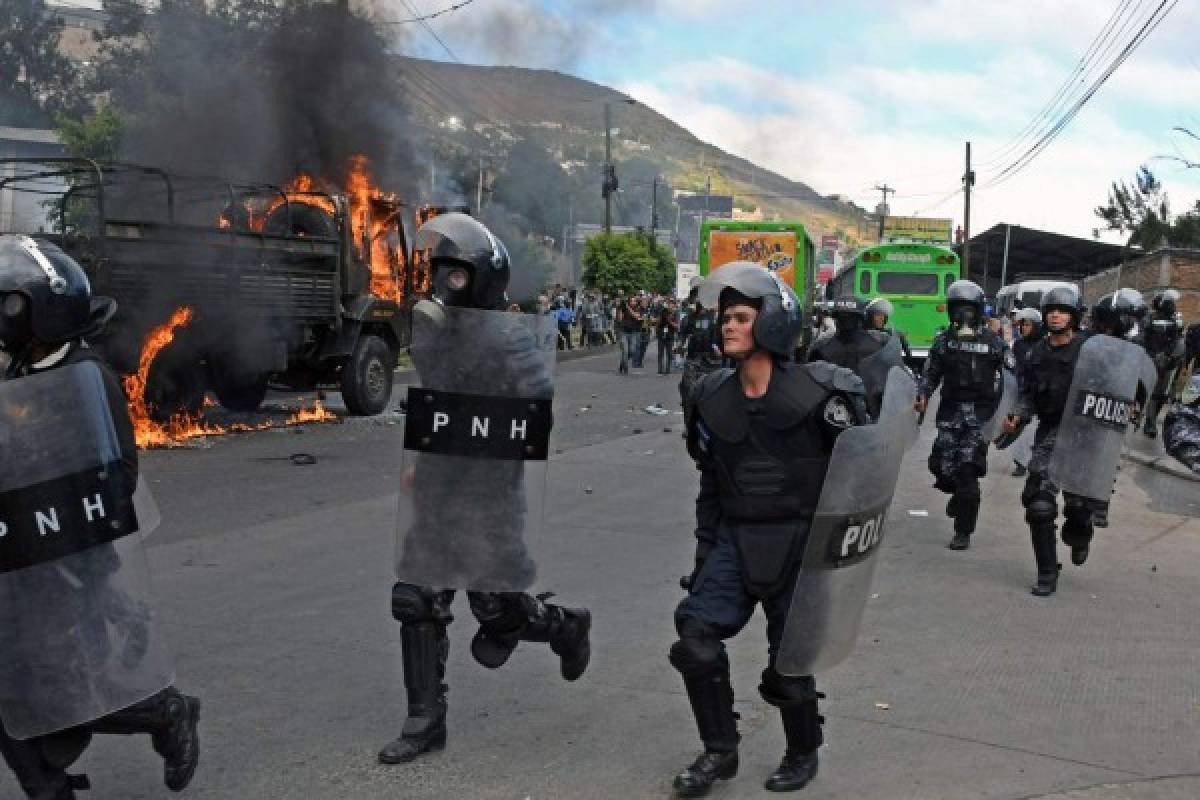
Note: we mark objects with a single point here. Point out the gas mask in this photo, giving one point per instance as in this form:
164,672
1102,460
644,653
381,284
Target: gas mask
452,285
16,330
846,324
964,319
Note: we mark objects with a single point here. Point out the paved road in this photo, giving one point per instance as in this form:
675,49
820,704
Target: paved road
274,581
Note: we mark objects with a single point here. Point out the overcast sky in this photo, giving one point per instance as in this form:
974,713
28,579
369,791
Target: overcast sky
843,96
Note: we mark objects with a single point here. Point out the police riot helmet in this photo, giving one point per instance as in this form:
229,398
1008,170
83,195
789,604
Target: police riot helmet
470,265
1028,315
45,295
1063,298
780,317
1118,312
848,312
880,305
965,303
1164,303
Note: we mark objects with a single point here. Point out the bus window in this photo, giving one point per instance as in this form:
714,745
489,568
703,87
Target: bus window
864,283
908,283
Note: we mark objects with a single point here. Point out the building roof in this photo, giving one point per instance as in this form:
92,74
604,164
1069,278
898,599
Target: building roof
1037,254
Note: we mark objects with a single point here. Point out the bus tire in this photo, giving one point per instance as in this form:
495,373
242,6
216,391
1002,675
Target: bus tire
367,376
242,393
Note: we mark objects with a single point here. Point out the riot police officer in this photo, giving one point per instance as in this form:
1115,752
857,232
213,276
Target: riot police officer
46,313
967,361
1048,373
878,314
1163,340
1181,427
761,435
469,514
852,342
701,345
1028,331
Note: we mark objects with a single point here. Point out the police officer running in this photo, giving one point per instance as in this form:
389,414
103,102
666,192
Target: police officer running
967,361
1028,332
91,593
761,434
852,342
1048,373
468,516
1163,340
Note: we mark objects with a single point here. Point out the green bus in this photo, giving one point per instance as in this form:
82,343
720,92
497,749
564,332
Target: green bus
914,277
782,247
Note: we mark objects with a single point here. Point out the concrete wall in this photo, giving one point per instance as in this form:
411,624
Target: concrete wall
1174,268
19,211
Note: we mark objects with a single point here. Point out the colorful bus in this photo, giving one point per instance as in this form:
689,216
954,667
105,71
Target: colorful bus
914,277
782,247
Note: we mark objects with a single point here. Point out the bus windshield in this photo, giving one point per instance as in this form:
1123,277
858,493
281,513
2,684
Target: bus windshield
907,283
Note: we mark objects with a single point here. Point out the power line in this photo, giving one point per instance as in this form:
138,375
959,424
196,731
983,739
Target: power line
1155,19
433,15
429,29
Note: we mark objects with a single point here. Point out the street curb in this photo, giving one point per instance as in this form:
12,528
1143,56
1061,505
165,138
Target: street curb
1164,464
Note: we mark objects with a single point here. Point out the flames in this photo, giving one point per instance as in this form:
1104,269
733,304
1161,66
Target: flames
373,213
182,426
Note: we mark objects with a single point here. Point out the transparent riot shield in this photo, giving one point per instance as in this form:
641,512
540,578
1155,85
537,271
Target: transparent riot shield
78,632
875,369
847,530
1004,406
1099,408
476,441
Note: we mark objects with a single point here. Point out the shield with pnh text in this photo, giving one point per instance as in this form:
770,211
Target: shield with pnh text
476,441
79,638
1097,414
846,535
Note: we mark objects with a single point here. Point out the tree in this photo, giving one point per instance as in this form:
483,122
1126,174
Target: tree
36,81
628,263
95,136
1142,211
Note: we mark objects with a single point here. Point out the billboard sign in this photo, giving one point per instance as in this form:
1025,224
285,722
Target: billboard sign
918,230
683,278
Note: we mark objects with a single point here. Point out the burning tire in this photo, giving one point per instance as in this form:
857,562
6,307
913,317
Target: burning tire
238,392
367,376
174,387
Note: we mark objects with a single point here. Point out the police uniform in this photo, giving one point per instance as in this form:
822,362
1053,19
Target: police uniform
700,359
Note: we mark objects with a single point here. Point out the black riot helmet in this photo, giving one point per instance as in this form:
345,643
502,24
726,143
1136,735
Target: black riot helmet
1062,298
1164,304
965,302
880,305
45,296
1116,313
848,312
470,265
780,319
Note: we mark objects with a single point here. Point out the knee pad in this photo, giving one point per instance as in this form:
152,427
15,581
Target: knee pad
698,651
1077,520
413,604
1041,506
784,691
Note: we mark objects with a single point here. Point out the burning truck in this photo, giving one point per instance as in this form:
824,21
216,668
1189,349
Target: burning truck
231,287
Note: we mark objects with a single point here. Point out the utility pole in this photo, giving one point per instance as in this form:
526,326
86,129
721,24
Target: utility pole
703,216
610,172
654,208
968,182
883,208
479,189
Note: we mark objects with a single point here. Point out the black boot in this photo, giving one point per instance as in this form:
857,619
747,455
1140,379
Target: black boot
425,647
170,717
1044,551
952,506
1150,428
961,541
505,621
711,697
802,726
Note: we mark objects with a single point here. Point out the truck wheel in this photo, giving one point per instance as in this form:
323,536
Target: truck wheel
367,376
242,393
174,388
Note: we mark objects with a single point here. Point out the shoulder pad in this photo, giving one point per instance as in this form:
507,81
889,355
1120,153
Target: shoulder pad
883,337
834,378
717,399
822,340
793,395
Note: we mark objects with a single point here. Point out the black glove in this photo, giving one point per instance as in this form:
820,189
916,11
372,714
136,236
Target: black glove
688,581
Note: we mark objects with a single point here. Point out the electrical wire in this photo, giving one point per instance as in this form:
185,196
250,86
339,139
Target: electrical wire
434,15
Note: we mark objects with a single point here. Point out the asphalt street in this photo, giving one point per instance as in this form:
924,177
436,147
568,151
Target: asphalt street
274,580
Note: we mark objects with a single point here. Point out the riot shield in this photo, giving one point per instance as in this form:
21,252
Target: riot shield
476,441
1004,406
1098,411
847,530
78,632
874,371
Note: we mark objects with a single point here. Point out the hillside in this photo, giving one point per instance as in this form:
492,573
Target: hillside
565,114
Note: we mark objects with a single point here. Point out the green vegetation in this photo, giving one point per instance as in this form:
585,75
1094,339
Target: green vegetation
1142,211
628,263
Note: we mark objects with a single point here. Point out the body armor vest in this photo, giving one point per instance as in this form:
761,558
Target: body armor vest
1052,369
969,367
848,352
770,457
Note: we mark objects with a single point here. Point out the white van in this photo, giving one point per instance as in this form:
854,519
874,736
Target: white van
1026,294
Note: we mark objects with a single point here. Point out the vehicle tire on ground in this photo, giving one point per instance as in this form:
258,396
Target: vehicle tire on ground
175,387
367,376
238,392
